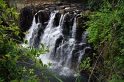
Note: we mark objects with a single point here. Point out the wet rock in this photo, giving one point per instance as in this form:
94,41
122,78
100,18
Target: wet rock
59,3
39,7
68,9
58,42
78,11
75,55
42,16
73,5
52,9
25,18
68,23
61,11
62,7
80,21
57,18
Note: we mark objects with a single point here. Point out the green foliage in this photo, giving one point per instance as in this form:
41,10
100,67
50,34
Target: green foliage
85,64
11,53
106,33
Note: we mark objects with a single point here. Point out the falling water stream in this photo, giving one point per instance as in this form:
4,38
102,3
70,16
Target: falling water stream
62,49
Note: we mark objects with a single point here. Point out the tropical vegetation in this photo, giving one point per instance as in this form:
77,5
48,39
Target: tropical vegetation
106,34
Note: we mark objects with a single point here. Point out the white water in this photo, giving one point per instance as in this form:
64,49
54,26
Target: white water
74,28
30,31
51,34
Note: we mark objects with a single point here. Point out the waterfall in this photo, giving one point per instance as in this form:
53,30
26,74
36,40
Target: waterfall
74,28
65,50
32,34
30,31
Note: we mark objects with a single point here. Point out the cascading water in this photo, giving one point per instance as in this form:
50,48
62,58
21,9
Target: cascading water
65,51
32,35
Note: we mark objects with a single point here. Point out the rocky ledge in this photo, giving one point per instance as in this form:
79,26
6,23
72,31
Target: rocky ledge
43,12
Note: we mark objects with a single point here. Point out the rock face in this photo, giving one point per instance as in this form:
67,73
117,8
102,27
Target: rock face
25,18
43,12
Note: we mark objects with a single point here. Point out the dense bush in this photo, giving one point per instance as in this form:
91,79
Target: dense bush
106,33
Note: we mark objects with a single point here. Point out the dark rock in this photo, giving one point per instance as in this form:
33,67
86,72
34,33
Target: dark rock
75,55
57,18
66,26
25,18
73,5
80,21
57,43
43,16
61,11
59,3
39,7
52,9
78,11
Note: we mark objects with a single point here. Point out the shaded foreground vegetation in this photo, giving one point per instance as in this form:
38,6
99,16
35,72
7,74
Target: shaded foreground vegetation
105,33
11,53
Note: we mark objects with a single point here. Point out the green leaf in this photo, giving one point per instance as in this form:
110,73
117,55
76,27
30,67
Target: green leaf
26,41
16,33
4,16
40,61
8,55
4,35
2,3
45,66
24,69
31,71
42,45
47,49
8,10
50,64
